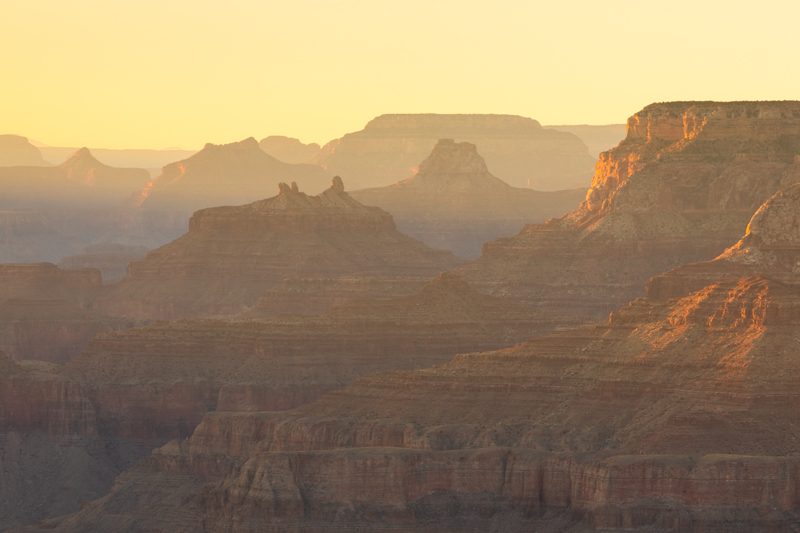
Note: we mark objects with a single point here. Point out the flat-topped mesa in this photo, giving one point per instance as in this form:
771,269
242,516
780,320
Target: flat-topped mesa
679,189
399,124
16,150
237,253
516,148
711,133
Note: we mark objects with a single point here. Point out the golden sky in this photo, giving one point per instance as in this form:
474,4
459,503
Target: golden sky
179,73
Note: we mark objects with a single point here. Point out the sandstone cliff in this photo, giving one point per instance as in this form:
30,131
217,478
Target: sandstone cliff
678,189
676,415
453,201
516,148
231,255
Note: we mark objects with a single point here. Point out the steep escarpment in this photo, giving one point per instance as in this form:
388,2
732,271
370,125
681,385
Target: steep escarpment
191,367
677,414
46,313
516,148
454,202
17,151
51,454
678,189
231,255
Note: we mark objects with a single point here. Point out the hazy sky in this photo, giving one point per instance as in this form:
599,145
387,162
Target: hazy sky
159,73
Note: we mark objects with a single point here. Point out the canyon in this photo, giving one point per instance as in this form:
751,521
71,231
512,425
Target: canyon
299,364
579,430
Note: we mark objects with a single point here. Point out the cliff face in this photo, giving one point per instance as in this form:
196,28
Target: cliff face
678,189
236,253
18,151
516,148
45,312
454,202
51,455
677,414
157,382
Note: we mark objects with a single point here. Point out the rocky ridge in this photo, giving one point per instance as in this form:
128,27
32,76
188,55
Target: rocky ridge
238,253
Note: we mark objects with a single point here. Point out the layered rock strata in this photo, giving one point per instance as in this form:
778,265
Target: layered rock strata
680,188
46,313
231,255
676,415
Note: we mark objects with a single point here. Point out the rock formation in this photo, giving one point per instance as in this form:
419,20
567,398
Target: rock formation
18,151
290,150
81,180
51,457
597,138
453,202
678,414
110,259
678,189
226,174
231,255
516,148
150,160
45,312
141,387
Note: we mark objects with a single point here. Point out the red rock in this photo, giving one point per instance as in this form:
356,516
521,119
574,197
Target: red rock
679,189
678,414
235,254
